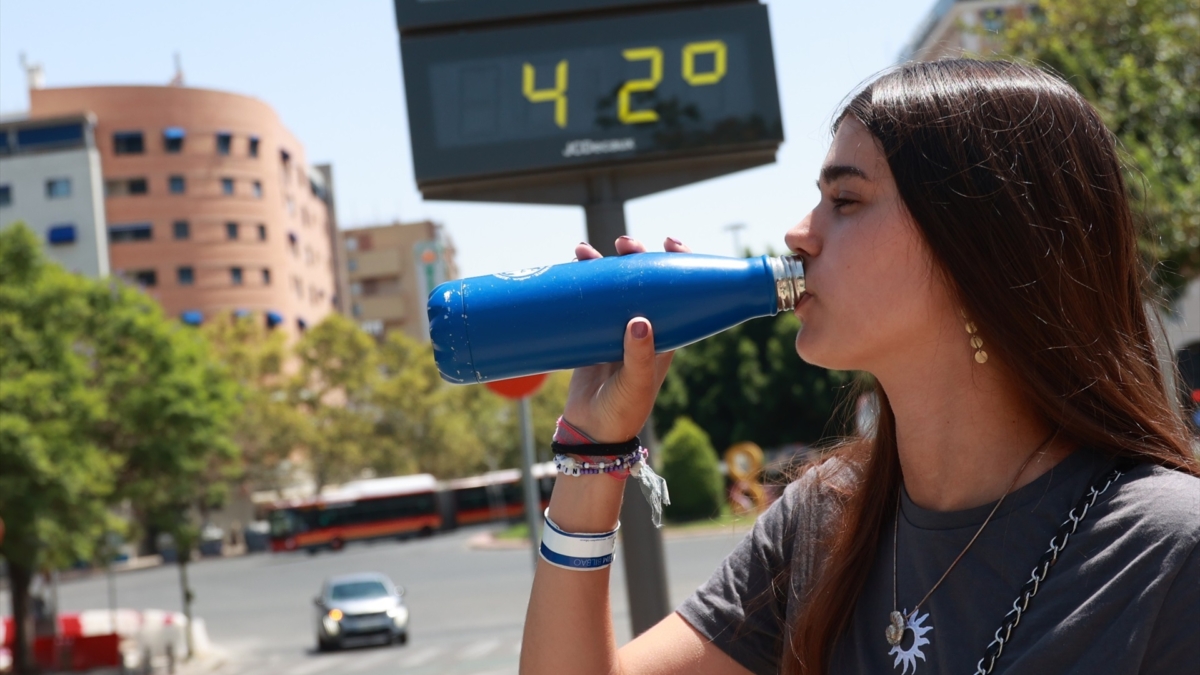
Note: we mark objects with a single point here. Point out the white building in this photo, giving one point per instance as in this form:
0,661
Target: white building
50,179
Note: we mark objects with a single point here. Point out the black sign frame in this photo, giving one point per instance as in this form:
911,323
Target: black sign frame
435,14
436,166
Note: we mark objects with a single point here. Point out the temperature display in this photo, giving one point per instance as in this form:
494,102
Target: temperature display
612,90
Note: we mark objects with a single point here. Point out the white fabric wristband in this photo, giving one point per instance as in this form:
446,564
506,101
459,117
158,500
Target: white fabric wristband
577,551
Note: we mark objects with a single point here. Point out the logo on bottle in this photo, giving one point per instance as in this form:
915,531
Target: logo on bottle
521,275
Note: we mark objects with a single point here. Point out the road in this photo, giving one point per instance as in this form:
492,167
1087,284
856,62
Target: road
467,605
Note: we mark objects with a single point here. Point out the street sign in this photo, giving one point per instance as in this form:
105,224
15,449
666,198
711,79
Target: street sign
590,92
422,14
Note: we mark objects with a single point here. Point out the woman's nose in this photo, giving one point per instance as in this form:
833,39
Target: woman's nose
802,238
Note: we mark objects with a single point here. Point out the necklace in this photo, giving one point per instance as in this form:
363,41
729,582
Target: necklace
899,621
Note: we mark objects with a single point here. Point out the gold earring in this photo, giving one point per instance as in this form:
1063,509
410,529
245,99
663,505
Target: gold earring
976,343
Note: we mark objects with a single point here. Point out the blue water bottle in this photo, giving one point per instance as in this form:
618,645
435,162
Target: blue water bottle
574,314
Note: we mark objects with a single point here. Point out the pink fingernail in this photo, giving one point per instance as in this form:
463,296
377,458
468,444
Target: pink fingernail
640,330
625,237
675,241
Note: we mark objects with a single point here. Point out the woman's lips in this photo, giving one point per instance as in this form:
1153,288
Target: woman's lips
804,297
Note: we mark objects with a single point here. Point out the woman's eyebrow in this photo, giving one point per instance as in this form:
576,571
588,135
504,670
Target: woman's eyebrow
835,171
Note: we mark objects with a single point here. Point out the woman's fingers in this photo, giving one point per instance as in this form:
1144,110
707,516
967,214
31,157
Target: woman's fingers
627,245
585,251
673,245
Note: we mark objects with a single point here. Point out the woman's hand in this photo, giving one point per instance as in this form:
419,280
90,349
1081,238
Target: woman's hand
611,402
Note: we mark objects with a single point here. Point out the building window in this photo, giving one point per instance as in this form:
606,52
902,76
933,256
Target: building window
235,275
5,194
146,278
993,19
138,186
173,139
253,149
60,235
58,188
136,232
59,135
128,143
262,232
258,189
301,325
231,230
186,276
121,187
352,264
226,186
182,229
176,185
351,244
266,277
356,309
224,143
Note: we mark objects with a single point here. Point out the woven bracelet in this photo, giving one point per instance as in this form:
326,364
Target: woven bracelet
597,449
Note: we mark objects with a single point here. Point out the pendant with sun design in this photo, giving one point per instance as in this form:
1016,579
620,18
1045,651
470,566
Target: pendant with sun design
895,630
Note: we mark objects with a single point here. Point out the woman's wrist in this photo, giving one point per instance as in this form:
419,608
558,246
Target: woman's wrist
584,503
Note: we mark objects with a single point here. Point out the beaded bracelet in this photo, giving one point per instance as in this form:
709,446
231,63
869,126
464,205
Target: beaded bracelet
574,467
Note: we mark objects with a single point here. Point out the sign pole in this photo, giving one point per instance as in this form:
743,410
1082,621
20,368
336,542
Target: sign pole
642,547
533,515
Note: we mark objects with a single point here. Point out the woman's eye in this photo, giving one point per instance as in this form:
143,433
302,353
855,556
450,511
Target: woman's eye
839,202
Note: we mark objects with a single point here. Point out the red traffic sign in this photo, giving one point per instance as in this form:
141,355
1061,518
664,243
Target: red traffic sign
517,387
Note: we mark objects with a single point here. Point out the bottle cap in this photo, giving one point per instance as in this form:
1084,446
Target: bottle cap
448,332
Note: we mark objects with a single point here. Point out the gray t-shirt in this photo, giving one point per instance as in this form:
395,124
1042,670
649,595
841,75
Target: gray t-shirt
1124,596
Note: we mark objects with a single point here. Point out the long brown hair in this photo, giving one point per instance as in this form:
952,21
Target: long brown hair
1016,186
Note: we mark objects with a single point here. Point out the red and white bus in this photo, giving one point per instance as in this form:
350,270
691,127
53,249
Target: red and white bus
363,509
495,496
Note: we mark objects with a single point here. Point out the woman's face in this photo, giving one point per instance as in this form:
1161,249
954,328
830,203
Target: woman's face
874,297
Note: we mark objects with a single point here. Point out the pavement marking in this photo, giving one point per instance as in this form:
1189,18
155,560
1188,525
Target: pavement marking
478,649
316,664
420,657
367,661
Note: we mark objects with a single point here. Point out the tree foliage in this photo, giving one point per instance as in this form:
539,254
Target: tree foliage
55,478
689,465
748,384
450,430
1138,62
267,427
103,399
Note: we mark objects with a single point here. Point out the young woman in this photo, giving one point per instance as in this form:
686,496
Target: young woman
974,250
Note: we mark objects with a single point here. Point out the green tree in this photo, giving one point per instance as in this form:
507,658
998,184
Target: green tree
425,424
55,480
168,416
748,384
689,465
268,427
338,373
1136,61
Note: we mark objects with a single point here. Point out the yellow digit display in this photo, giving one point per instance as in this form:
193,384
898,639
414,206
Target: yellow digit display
558,94
690,50
655,56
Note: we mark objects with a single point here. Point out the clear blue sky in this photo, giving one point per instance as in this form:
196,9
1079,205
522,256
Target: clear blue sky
332,71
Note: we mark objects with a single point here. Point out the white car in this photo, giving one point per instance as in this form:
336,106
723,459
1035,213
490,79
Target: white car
360,606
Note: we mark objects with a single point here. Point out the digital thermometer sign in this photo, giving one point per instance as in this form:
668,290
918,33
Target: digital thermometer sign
600,91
